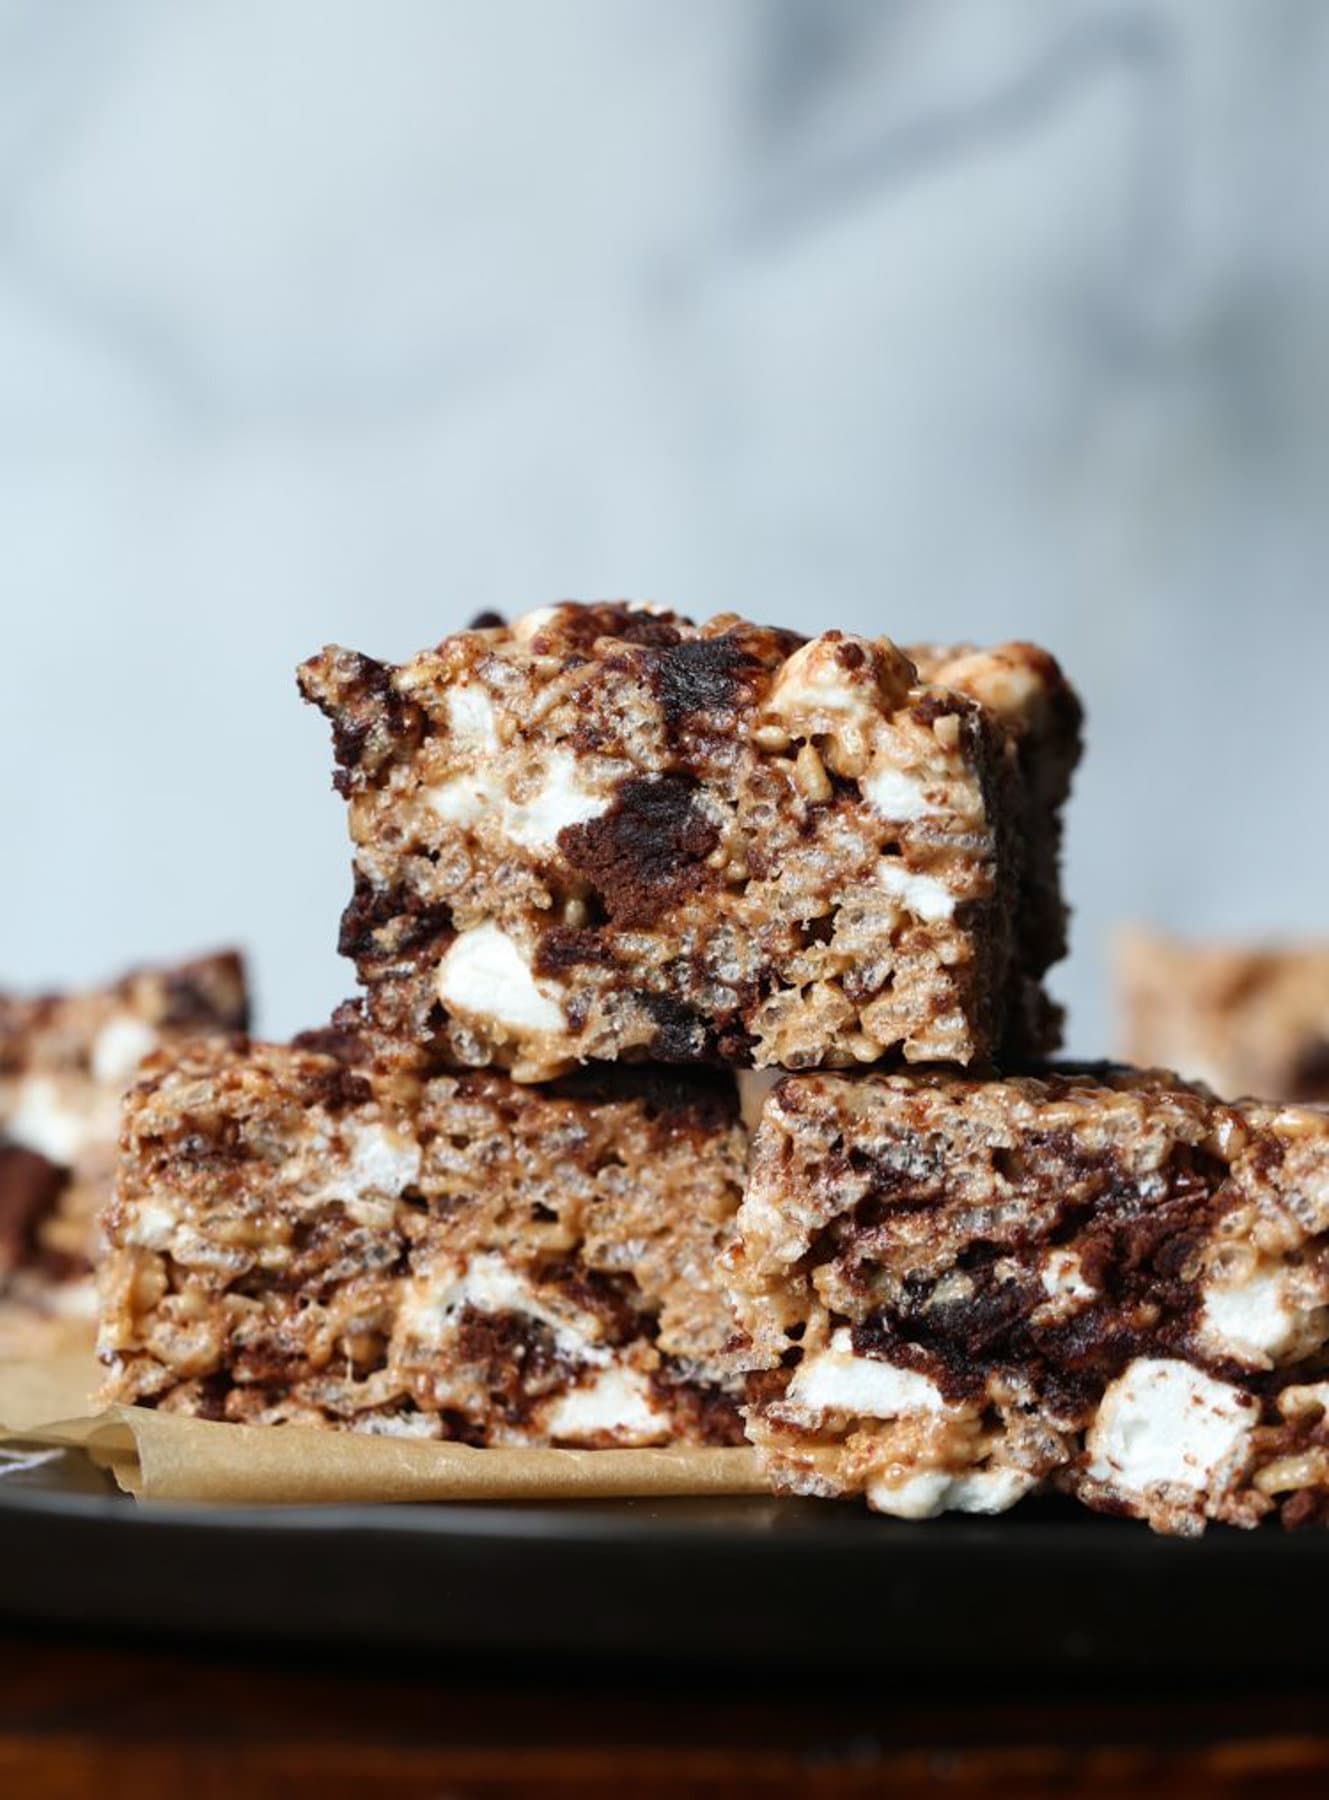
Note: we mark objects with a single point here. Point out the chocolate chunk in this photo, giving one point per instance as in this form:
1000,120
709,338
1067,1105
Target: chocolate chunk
615,1299
343,1037
711,1414
575,629
341,1090
647,851
487,620
30,1185
371,722
646,628
518,1356
388,922
571,947
207,994
678,1099
680,1032
703,675
1304,1508
211,1397
1309,1079
1135,1246
941,705
368,909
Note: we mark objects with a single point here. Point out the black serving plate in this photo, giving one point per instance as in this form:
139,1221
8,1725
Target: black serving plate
761,1581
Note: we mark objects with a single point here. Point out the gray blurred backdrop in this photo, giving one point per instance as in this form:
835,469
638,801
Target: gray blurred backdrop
344,320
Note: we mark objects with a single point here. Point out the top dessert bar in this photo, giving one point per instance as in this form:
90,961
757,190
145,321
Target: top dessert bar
606,833
952,1293
1248,1020
65,1061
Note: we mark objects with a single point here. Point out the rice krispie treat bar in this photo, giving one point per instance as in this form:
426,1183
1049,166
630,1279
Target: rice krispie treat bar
65,1061
1247,1020
301,1236
605,833
954,1293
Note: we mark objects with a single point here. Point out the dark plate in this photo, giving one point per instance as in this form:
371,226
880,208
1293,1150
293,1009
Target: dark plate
758,1580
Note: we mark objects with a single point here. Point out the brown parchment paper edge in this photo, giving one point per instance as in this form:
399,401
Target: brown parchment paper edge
161,1456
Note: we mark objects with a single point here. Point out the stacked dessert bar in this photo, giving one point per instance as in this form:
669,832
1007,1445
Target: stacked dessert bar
65,1062
306,1234
607,835
957,1291
604,860
669,1109
1248,1019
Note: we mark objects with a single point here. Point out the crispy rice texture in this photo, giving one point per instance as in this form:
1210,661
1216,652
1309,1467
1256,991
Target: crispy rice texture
299,1236
1107,1282
65,1061
1024,688
606,833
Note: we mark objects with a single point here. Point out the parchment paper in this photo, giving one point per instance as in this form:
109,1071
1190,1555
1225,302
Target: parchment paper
35,1391
158,1456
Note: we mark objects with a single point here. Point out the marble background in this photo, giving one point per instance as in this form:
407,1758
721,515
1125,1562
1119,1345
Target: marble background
323,320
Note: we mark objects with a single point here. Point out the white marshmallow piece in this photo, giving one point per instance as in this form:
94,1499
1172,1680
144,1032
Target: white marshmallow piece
836,1380
471,716
931,1492
1256,1321
383,1161
618,1403
561,800
923,895
1163,1422
466,798
814,692
896,796
41,1122
119,1048
485,974
488,1283
1062,1276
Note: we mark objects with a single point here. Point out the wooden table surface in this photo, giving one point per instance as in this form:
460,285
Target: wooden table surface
115,1720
